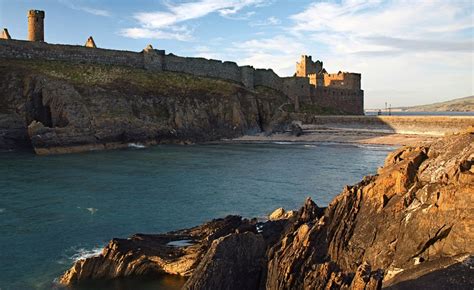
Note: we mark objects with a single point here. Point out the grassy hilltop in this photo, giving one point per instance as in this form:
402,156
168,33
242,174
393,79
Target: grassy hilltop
465,104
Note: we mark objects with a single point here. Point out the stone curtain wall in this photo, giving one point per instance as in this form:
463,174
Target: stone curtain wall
203,67
44,51
152,60
268,78
297,87
350,101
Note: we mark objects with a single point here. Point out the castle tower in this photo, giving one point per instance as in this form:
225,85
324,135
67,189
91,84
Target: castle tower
307,66
90,42
5,34
36,25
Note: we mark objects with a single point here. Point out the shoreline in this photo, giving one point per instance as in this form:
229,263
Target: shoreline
342,136
427,187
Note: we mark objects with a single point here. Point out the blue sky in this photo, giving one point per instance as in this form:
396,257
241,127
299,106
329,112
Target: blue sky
409,52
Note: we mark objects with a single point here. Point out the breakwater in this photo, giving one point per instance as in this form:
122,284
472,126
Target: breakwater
417,125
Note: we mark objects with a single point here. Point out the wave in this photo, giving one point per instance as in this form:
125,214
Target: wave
92,210
380,147
83,253
282,143
136,145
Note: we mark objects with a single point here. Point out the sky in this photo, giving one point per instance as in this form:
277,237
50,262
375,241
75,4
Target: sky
408,52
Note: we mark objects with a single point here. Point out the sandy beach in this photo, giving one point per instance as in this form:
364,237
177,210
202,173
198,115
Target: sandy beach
314,133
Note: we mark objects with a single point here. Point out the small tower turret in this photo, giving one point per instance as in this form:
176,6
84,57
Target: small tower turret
36,25
5,34
90,42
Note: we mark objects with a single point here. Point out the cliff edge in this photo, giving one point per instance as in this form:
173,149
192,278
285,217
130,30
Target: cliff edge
61,107
408,226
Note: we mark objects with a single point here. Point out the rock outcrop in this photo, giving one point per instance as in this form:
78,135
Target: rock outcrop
409,225
232,262
171,253
60,107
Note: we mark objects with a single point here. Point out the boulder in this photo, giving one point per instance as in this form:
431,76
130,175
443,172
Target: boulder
235,261
142,254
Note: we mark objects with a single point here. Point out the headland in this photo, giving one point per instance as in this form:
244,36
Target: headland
61,98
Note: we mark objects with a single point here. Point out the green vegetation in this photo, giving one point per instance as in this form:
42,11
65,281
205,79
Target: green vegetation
124,77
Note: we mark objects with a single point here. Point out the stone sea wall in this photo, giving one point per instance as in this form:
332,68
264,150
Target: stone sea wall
421,125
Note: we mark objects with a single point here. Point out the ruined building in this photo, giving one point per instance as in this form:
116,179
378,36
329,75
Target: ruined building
36,25
311,89
320,78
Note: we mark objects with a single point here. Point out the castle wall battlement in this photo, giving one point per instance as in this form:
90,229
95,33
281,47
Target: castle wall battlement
72,53
203,67
297,89
343,80
150,59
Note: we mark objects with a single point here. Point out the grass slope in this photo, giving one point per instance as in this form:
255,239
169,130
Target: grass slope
465,104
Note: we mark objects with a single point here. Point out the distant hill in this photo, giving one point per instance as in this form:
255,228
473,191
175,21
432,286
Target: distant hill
465,104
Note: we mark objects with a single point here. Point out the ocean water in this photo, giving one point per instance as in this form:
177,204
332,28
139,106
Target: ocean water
55,209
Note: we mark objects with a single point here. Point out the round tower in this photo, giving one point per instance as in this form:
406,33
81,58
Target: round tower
36,25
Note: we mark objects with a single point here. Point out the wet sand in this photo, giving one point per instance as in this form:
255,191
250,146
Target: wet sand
313,133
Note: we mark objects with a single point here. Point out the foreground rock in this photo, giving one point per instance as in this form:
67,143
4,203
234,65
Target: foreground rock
409,226
171,253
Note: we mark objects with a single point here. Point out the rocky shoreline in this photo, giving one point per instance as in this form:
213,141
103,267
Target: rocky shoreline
409,225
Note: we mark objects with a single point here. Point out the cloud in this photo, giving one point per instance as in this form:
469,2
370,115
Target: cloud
270,21
409,52
279,53
174,33
158,23
87,9
364,26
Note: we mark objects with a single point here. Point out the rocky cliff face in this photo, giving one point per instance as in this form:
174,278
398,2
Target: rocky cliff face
410,225
58,107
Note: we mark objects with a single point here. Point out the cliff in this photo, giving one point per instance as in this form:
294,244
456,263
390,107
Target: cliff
61,107
408,226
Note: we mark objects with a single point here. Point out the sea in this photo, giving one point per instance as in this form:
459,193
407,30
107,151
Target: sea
57,209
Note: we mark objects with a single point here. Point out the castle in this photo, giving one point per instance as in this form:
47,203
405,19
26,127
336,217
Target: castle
311,85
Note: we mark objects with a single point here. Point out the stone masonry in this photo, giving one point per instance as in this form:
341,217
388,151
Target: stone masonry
311,84
36,25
